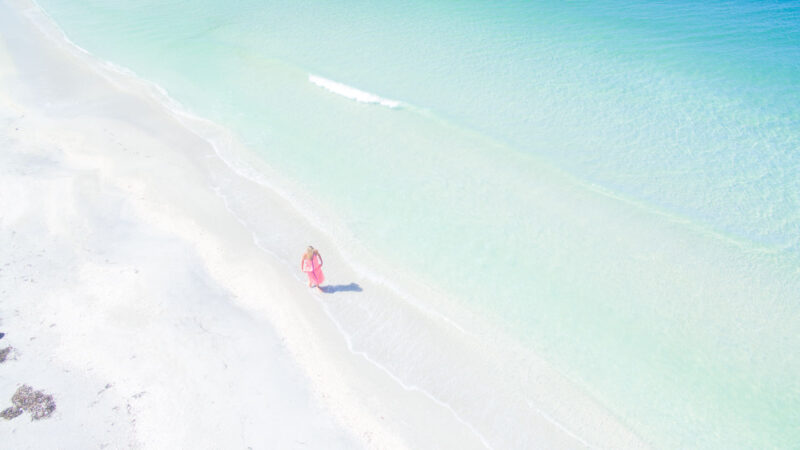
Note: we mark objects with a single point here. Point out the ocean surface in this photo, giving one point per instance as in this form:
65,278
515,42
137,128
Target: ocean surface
613,186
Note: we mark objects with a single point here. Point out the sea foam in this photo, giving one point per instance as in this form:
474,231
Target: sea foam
351,92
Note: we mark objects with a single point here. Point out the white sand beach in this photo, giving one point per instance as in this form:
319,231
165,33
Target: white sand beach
132,294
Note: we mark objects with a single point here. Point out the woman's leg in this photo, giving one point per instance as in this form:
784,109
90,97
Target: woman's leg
311,282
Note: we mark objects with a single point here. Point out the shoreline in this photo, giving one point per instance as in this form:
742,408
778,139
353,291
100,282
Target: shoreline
172,186
164,189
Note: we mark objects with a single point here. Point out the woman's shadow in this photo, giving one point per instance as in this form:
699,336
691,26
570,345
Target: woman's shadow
352,287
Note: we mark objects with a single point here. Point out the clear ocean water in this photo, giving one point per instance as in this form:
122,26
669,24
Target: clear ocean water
614,184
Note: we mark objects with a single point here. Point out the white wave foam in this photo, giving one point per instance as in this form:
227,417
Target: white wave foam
351,92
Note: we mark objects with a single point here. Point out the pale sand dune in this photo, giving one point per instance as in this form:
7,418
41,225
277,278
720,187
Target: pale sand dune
134,297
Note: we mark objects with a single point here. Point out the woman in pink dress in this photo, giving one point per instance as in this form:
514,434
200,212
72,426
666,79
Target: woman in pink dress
311,264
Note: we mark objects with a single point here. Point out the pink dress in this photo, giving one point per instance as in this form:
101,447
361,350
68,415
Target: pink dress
313,268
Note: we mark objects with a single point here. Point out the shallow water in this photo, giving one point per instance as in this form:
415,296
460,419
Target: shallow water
612,185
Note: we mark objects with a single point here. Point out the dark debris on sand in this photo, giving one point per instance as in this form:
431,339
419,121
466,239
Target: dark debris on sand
4,353
10,413
37,403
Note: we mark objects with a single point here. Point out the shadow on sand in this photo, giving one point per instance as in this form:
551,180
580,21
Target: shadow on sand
352,287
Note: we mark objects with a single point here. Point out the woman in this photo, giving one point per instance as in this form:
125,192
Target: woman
311,264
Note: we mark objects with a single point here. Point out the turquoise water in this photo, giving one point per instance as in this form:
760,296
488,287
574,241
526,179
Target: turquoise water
614,184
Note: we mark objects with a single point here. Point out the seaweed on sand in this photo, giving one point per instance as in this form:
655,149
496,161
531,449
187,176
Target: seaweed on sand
39,404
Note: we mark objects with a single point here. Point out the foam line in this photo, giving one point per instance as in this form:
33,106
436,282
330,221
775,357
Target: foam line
351,92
